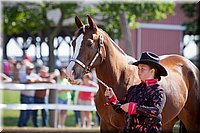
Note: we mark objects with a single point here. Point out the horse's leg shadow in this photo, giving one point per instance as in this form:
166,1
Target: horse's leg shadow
189,123
168,128
182,128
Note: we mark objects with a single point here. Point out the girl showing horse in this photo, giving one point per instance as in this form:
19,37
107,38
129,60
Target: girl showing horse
93,48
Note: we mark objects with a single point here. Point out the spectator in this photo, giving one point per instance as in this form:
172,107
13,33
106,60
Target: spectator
27,96
26,57
16,68
12,62
86,98
41,97
76,112
75,99
64,97
6,68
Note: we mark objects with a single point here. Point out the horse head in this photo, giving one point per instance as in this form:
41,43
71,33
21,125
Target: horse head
88,46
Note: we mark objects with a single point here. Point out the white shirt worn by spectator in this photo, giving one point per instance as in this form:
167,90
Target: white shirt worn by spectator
24,79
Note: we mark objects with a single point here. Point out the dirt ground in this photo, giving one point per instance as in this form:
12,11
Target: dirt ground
49,130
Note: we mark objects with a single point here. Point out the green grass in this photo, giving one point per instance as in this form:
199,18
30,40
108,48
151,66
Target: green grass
10,117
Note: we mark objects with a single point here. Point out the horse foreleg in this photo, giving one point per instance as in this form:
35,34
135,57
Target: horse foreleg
191,122
168,127
182,128
107,128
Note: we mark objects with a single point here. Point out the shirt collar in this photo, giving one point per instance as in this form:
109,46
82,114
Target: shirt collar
151,82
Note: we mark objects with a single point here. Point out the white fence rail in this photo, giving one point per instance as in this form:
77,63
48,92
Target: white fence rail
41,86
47,106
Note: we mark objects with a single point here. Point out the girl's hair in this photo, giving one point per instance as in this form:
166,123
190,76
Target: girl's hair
157,74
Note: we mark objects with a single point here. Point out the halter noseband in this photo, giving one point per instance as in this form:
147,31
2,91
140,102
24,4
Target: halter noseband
87,68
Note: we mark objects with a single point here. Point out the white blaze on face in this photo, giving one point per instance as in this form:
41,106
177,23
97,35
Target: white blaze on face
77,50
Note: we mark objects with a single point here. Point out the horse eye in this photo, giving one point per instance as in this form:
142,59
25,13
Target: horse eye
89,44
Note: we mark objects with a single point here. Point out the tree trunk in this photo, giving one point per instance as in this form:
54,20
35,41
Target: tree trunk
4,46
52,95
126,34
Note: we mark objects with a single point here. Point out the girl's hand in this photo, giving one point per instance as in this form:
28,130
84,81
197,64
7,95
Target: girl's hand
109,92
125,107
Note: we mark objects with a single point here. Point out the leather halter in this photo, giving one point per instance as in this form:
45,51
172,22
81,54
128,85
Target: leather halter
87,68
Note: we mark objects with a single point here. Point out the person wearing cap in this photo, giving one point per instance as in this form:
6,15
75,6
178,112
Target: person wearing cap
86,98
144,102
26,96
41,96
63,97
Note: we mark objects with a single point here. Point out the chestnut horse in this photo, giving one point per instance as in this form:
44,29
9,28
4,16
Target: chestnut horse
93,48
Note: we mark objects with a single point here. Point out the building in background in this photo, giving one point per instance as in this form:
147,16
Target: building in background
162,36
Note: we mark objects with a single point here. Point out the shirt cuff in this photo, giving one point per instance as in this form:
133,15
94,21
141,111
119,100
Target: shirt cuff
113,99
132,108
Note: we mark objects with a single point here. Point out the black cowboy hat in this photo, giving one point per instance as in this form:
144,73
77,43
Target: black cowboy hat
152,60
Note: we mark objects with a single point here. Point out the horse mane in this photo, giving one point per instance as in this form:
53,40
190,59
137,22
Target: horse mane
129,58
116,46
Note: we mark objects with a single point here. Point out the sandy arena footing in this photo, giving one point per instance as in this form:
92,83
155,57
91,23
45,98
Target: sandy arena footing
49,130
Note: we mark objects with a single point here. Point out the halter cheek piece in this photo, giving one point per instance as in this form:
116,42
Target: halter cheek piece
99,52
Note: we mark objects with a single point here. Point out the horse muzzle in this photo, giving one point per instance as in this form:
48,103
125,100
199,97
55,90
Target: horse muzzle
75,72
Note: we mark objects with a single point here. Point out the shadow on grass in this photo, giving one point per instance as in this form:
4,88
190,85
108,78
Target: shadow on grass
10,118
13,121
10,121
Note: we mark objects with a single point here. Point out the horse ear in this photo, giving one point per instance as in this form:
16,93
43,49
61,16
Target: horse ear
92,23
78,22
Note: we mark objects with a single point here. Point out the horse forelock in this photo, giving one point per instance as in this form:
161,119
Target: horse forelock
81,30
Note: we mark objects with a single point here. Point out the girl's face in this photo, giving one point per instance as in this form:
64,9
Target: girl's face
145,72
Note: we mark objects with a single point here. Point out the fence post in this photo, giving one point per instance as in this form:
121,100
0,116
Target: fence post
52,113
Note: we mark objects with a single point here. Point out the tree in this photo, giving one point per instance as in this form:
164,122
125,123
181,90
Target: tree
135,11
67,11
20,17
30,19
117,18
192,11
25,20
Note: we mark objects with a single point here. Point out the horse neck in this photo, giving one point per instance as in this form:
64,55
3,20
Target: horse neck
110,70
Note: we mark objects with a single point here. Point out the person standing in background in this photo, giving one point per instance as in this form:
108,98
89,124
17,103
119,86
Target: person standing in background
41,97
64,97
6,68
76,112
27,96
86,98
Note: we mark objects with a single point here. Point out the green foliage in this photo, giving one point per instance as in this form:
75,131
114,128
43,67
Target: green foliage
24,17
190,10
135,11
68,9
32,17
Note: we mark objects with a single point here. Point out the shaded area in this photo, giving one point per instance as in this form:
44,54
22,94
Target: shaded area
50,130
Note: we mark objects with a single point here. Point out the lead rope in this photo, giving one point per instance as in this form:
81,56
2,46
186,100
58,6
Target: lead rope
104,84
